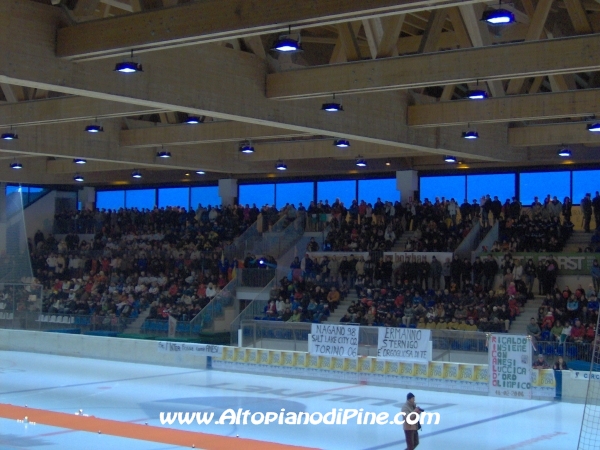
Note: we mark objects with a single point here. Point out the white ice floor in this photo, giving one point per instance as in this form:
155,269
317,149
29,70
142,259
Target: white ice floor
138,393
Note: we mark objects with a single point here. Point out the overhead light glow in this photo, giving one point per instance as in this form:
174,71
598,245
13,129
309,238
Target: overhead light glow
193,120
477,94
450,159
470,135
136,174
594,127
9,136
200,172
246,148
164,154
498,17
94,129
128,67
16,165
332,107
341,143
361,162
564,153
79,161
281,166
286,44
78,178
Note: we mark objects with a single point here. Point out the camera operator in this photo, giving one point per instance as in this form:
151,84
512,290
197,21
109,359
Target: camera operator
411,431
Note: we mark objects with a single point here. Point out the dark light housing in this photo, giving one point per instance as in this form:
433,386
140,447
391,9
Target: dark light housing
9,136
286,44
94,129
163,154
332,107
16,165
246,148
361,162
281,165
78,178
477,94
79,161
498,17
136,174
128,67
594,127
564,153
450,159
470,135
341,143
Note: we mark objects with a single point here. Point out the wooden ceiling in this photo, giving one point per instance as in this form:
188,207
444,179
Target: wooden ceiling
401,69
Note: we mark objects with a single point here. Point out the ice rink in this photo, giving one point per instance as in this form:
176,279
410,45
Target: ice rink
137,393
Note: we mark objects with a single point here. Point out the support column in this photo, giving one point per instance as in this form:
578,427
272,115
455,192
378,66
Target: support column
87,197
2,218
228,191
407,182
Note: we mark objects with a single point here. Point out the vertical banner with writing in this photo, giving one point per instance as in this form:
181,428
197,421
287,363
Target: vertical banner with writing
510,366
172,326
333,340
404,344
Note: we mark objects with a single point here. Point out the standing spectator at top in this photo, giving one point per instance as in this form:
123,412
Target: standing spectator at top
586,209
436,273
595,272
465,210
536,209
515,208
486,207
496,208
596,206
490,269
452,210
554,208
566,209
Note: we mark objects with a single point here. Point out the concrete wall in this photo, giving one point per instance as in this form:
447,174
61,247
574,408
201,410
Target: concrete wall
96,347
40,215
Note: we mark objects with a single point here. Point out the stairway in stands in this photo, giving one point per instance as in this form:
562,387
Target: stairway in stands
531,308
342,307
578,240
135,326
400,245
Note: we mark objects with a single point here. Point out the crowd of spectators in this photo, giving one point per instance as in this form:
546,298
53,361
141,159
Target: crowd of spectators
567,316
169,260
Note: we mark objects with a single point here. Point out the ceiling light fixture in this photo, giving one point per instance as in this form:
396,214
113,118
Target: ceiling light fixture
477,94
450,159
78,178
498,17
388,163
94,129
246,147
332,106
341,143
79,161
564,153
470,135
287,44
16,165
360,161
594,127
280,165
193,120
11,135
128,66
136,174
163,154
200,172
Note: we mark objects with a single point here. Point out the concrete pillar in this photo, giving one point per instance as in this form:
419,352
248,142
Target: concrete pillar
2,218
407,182
228,191
87,197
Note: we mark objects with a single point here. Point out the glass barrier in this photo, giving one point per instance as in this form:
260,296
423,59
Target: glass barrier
205,319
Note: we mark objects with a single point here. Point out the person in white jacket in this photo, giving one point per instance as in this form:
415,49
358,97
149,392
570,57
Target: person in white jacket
518,270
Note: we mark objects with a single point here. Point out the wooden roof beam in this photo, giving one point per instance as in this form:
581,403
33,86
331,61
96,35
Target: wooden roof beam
215,20
580,103
528,59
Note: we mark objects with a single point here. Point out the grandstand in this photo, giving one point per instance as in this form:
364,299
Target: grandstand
245,177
